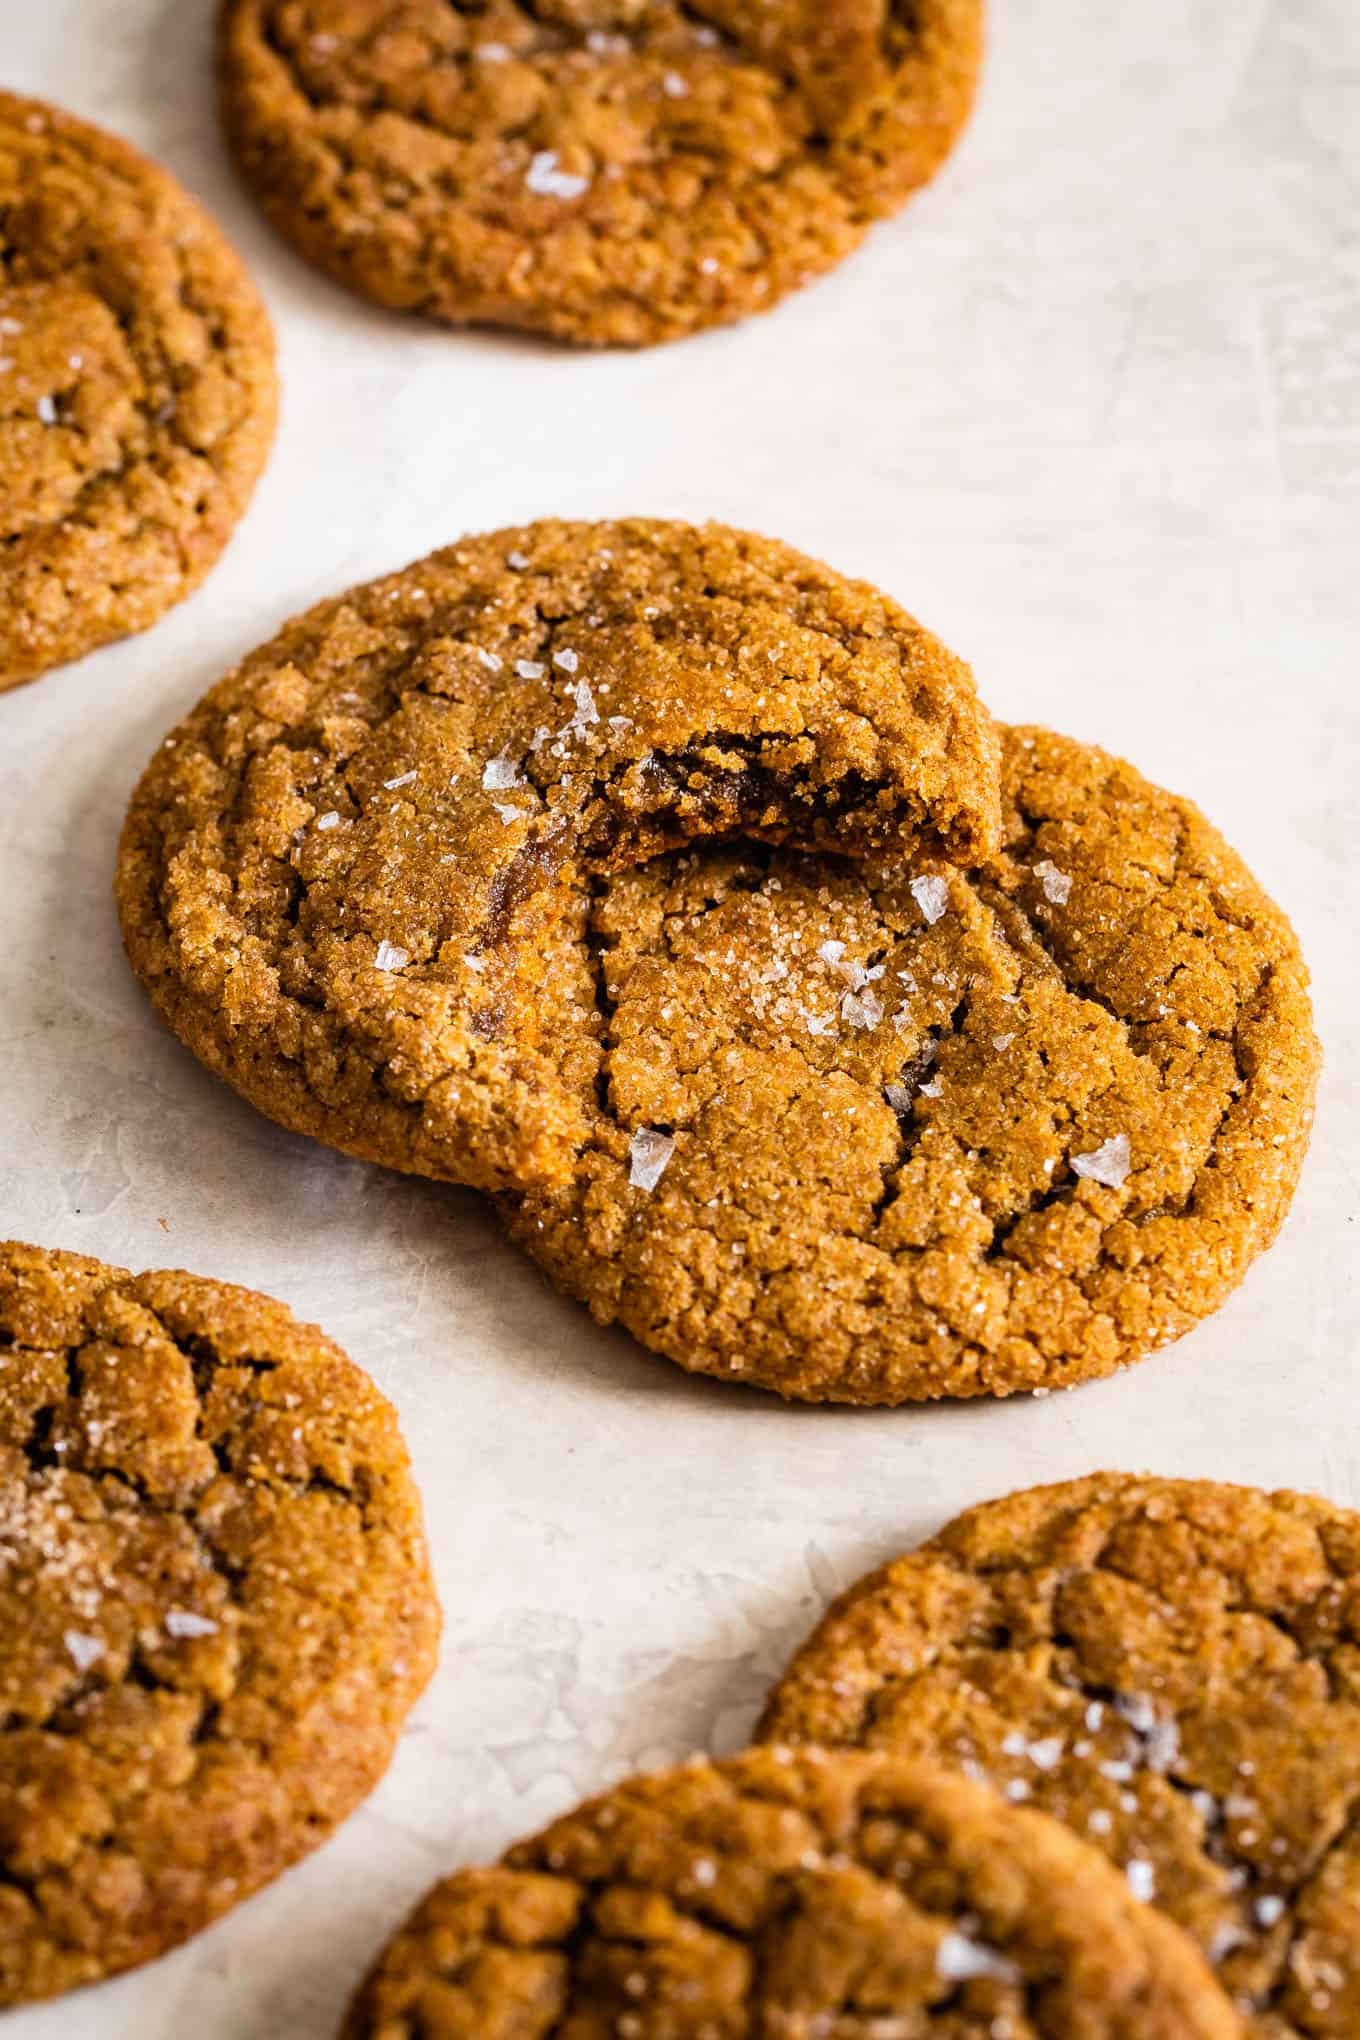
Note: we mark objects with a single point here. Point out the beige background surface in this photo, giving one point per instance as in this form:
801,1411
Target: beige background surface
1092,409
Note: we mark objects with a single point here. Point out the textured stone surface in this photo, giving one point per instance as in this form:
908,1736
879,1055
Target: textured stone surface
1088,403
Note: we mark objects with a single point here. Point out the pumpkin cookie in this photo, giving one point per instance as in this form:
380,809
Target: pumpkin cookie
879,1132
137,390
1169,1666
215,1606
604,171
792,1893
350,879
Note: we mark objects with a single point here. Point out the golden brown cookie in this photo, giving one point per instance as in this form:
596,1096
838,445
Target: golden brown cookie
792,1895
879,1132
349,879
1168,1666
137,390
215,1606
604,171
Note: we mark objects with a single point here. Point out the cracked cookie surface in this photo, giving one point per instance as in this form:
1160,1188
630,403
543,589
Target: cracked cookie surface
882,1131
350,879
215,1606
1169,1667
791,1895
604,171
137,390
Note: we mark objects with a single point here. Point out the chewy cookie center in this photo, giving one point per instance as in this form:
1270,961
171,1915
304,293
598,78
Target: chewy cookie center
70,397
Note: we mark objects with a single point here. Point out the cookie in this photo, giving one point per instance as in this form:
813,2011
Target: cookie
877,1132
1168,1666
137,390
608,172
349,878
799,1894
215,1606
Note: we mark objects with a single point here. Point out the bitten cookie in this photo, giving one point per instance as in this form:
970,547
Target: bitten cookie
604,171
792,1893
879,1132
137,390
1168,1666
350,878
215,1606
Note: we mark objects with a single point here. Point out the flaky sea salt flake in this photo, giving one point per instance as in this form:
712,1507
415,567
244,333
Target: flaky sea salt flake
405,779
530,669
1108,1164
931,895
1056,884
959,1959
566,659
544,177
1142,1878
391,956
649,1152
861,1009
83,1651
47,410
498,774
183,1623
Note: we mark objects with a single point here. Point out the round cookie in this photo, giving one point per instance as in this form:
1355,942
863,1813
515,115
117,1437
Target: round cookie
880,1132
351,878
137,390
604,171
1170,1667
215,1606
799,1894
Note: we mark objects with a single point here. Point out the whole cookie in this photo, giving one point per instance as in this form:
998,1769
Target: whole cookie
784,1896
879,1132
604,171
215,1606
137,390
1168,1666
351,878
